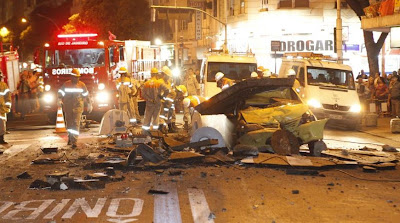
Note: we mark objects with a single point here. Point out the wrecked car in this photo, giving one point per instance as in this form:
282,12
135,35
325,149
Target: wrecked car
263,113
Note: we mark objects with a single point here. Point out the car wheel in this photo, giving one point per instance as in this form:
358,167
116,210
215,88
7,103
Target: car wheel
284,143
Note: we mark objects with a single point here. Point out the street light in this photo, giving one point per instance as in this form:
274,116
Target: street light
23,20
158,42
4,32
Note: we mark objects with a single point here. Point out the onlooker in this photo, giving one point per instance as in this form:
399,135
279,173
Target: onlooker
362,75
381,93
394,96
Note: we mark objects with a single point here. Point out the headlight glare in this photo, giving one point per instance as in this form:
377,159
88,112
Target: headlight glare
47,87
101,86
102,97
356,108
314,103
48,98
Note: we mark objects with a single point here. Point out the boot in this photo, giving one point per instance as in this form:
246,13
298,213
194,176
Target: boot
2,140
171,128
163,128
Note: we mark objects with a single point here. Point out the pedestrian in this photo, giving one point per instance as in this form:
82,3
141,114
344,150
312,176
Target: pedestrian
5,107
191,83
124,87
24,90
72,95
381,93
188,104
223,82
361,75
395,96
152,92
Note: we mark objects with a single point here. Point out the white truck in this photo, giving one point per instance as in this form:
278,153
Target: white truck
326,86
234,66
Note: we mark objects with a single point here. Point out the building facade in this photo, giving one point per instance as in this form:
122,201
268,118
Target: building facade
299,25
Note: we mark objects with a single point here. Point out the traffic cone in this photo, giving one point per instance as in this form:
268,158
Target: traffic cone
60,124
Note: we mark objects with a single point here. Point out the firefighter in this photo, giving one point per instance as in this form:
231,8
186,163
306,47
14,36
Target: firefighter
152,93
223,82
135,88
124,87
167,114
189,103
181,94
72,95
5,107
191,83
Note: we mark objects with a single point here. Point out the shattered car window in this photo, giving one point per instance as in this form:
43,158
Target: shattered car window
272,98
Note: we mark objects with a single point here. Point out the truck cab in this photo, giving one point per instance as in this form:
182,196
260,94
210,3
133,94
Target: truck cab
235,67
326,86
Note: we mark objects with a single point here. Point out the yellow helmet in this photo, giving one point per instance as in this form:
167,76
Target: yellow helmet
122,70
154,70
260,68
167,71
182,89
186,102
75,72
253,74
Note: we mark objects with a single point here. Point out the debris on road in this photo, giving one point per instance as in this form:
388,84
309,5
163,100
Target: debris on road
49,150
24,175
295,192
387,148
151,191
302,172
369,169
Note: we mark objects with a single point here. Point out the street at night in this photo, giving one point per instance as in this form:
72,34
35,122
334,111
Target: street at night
203,111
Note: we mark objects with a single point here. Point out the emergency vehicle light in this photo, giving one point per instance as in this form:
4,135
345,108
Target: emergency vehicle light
76,35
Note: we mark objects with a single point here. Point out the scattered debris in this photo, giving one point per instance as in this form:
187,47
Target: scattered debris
151,191
369,169
148,154
330,184
175,172
245,150
110,171
196,145
39,184
387,148
185,157
24,175
49,150
63,186
295,191
211,216
302,172
203,174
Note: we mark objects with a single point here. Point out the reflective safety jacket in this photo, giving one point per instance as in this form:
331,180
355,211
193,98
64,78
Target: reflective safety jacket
225,83
196,100
73,94
124,86
170,96
153,90
5,100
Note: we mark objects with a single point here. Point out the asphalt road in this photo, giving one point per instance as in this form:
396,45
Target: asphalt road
200,193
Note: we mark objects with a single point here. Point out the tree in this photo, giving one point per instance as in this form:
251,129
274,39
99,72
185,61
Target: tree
373,48
126,19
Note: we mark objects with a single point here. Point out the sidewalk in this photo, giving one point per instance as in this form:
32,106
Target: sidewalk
382,130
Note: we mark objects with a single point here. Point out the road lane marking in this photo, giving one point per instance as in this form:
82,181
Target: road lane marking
199,206
166,206
15,149
22,208
57,209
83,204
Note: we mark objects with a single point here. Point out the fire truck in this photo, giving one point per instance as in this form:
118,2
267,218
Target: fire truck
98,62
9,66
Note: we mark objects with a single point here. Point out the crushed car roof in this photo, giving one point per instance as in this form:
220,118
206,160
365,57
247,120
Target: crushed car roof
227,99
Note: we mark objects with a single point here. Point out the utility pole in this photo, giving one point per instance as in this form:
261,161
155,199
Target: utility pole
206,13
339,33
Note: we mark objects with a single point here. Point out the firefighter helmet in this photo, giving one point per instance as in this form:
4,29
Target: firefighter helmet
182,89
253,74
291,72
219,76
154,70
122,70
75,72
186,102
167,71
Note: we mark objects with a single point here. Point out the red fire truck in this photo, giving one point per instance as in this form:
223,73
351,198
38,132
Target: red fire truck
98,62
9,65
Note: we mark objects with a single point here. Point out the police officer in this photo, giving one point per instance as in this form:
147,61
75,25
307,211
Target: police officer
5,107
72,95
124,87
152,92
